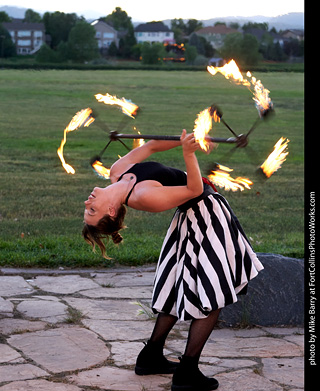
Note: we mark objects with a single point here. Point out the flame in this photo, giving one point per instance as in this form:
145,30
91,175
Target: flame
127,107
221,177
260,94
138,142
229,70
276,157
203,125
82,117
216,116
100,169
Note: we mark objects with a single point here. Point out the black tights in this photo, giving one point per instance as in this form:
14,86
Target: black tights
199,332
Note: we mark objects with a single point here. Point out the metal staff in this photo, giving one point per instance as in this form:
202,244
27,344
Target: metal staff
114,136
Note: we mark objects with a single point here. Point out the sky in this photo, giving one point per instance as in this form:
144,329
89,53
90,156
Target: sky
148,10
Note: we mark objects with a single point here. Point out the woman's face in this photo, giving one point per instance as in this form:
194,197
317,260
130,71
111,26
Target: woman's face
97,205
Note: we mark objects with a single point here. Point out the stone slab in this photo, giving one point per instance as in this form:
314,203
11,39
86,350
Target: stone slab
115,330
106,309
243,347
20,372
38,385
15,326
288,371
63,349
137,278
14,285
130,293
115,379
8,355
47,310
245,380
6,308
63,284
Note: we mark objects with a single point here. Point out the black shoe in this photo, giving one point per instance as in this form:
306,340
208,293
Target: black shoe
188,377
151,361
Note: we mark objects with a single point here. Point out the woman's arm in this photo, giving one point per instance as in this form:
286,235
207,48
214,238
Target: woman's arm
158,198
139,154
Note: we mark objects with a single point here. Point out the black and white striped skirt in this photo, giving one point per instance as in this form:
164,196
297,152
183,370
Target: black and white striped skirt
205,261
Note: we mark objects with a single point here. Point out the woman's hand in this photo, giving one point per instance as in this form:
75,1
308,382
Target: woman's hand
194,178
189,144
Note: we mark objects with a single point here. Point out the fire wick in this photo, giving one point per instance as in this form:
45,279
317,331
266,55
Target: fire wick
214,109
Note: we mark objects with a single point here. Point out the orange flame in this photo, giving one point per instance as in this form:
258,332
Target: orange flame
101,170
215,116
203,125
138,142
229,70
276,157
84,118
261,94
127,107
221,177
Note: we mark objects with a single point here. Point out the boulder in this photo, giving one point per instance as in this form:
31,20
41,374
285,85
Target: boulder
275,297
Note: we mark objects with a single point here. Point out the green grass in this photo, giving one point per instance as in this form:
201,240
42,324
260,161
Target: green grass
41,208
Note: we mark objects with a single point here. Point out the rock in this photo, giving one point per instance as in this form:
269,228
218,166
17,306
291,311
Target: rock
275,296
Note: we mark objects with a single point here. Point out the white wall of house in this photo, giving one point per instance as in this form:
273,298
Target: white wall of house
154,36
27,38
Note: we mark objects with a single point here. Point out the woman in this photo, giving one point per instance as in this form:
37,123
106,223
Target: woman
205,260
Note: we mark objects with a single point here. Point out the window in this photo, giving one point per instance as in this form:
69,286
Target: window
37,34
108,35
24,42
24,33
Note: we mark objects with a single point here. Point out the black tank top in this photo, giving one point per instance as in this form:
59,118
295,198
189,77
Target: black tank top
155,171
167,176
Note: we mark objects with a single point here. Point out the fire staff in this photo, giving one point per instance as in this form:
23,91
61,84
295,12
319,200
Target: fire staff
205,261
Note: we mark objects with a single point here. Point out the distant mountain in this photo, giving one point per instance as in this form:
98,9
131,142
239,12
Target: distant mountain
14,12
292,20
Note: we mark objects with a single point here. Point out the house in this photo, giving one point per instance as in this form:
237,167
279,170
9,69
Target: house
265,36
28,37
153,32
215,35
105,35
293,34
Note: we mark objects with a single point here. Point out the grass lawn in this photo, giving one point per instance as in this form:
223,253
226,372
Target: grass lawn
41,208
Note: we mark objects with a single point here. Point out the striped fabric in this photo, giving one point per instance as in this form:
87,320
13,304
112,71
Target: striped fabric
205,261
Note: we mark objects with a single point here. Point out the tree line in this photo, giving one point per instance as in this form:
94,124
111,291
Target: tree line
72,38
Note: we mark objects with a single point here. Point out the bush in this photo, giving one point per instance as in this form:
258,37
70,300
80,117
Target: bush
152,53
45,54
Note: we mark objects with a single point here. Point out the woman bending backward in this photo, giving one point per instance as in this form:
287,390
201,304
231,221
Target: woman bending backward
206,259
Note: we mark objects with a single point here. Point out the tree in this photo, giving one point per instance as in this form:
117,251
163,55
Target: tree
190,53
31,16
7,47
4,17
118,19
58,25
244,49
250,50
253,25
121,22
152,53
195,40
47,55
82,44
193,25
